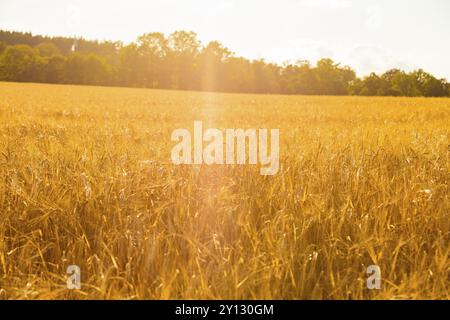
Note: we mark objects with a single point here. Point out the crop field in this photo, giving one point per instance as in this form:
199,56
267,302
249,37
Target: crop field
86,179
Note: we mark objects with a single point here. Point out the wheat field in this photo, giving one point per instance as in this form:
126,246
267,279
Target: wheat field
86,179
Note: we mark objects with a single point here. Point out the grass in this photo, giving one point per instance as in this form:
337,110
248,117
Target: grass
86,179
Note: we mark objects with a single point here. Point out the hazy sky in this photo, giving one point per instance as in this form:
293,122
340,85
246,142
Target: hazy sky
368,35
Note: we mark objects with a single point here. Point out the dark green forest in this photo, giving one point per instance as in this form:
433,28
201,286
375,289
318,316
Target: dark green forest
181,61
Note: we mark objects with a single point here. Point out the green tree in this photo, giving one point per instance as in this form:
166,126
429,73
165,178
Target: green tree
54,70
428,85
154,50
332,79
47,49
266,77
87,69
3,46
97,70
239,76
406,84
130,70
18,63
299,78
373,85
185,49
212,64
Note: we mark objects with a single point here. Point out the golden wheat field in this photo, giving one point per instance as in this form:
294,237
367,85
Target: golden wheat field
86,179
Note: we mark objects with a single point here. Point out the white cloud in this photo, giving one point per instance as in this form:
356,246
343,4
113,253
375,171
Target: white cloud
299,49
363,58
371,58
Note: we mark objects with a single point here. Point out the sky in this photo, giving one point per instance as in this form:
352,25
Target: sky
367,35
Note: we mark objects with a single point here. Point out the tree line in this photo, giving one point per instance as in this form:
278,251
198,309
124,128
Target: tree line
180,61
